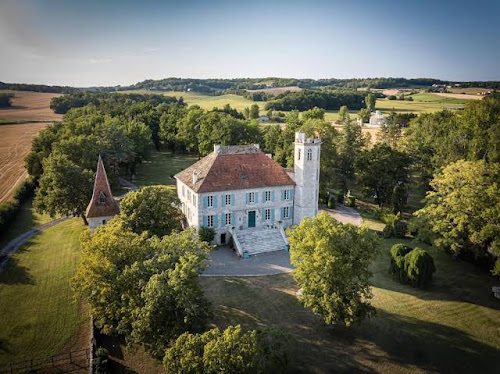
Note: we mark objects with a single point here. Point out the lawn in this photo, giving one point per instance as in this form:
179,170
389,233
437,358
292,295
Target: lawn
160,167
39,317
25,220
452,327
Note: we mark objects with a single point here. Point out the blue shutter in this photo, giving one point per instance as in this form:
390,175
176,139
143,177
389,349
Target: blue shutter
205,223
272,215
233,199
216,221
264,196
291,194
215,201
223,200
282,194
233,218
256,195
205,202
282,213
247,197
263,214
272,196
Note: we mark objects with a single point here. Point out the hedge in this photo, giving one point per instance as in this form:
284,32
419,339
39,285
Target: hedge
9,209
413,266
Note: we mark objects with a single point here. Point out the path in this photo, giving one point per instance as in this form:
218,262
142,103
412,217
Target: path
127,184
12,246
345,214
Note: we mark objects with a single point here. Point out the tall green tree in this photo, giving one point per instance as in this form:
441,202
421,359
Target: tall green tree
370,102
332,268
344,114
152,209
64,188
351,142
463,209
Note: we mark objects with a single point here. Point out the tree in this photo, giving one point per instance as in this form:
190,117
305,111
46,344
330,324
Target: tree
145,289
152,209
381,169
463,209
350,144
332,268
314,113
254,112
231,351
364,115
344,114
419,267
370,102
64,188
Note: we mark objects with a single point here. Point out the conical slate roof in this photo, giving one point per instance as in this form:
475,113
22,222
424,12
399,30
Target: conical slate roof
102,203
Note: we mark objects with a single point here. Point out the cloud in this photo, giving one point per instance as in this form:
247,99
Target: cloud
100,60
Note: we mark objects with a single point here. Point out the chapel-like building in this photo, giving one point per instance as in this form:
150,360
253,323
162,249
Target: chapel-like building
102,207
244,194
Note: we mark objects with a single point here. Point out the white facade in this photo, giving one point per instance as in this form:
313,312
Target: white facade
306,170
95,222
377,119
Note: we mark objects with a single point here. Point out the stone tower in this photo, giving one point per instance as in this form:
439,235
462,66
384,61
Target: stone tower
102,207
306,170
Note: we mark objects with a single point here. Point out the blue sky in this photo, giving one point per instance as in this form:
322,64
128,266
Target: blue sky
89,43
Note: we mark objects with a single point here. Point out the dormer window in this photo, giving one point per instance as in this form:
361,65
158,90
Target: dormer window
102,199
309,154
298,157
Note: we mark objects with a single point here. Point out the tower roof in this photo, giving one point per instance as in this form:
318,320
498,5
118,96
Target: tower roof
102,203
233,168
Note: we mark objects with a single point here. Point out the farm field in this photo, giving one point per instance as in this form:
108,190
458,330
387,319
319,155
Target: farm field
278,90
467,90
30,106
461,96
15,143
452,327
39,317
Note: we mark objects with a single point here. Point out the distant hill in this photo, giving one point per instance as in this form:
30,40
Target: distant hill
241,86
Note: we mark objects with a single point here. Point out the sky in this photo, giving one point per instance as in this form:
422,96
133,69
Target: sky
106,42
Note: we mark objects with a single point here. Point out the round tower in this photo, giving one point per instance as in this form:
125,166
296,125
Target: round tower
306,169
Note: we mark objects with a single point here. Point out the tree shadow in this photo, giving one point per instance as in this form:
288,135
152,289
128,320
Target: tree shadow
13,273
114,345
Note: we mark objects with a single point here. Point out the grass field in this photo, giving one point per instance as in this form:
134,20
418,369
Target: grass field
39,317
452,327
15,143
160,167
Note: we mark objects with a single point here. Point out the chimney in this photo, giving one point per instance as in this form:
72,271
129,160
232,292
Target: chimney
269,155
257,146
216,147
195,177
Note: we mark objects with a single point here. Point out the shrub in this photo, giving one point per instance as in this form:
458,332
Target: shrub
9,209
340,198
419,267
331,202
100,363
394,226
397,267
421,229
350,201
207,235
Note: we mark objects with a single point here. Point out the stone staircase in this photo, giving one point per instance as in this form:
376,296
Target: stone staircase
256,241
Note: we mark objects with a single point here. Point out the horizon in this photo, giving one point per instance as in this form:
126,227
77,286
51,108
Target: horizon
95,44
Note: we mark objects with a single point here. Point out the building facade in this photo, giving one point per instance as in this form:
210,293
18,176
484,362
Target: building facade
237,190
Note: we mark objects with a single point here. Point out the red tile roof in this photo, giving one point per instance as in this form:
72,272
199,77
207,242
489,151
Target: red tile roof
234,168
107,207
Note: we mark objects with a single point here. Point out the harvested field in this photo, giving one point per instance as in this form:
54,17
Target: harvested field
30,106
460,96
15,143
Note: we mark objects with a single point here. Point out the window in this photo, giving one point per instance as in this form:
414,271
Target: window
210,221
228,199
299,154
102,198
267,214
286,212
183,191
228,218
189,195
309,154
194,200
286,195
267,196
210,201
251,197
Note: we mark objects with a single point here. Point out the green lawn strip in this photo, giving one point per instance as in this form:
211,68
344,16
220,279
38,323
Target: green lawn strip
37,308
452,327
25,220
160,167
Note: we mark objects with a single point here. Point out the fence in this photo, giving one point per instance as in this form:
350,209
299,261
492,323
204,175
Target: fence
74,361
